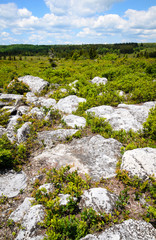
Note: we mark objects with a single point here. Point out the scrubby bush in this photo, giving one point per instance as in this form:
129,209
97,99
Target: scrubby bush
150,125
17,87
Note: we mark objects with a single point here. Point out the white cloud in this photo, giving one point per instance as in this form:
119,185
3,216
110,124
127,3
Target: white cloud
142,19
80,8
72,21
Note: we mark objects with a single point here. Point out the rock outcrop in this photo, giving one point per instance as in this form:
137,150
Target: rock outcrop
95,155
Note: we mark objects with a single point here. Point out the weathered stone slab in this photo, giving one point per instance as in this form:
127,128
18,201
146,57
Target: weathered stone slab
37,113
11,183
74,121
95,156
124,116
31,98
69,104
11,128
128,230
140,162
48,138
35,84
100,199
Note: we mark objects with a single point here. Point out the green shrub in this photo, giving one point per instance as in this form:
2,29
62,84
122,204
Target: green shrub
150,125
17,87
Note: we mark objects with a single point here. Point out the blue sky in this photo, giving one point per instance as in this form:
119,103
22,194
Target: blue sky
77,21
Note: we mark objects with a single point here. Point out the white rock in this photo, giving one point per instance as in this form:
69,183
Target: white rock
99,199
64,199
35,84
33,216
10,97
69,104
63,90
95,156
23,132
37,113
74,121
19,213
11,183
140,162
99,80
11,128
48,186
31,98
128,230
124,116
46,102
48,138
22,110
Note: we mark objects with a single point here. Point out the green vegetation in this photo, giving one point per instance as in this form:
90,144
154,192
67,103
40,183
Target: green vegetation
17,87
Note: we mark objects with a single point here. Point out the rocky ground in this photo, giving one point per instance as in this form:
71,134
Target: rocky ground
91,154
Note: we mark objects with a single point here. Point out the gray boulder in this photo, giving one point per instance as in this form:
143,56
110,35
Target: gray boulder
30,222
19,213
99,199
35,84
74,121
140,162
124,116
48,138
37,113
69,104
23,132
46,102
95,156
31,98
98,80
11,183
128,230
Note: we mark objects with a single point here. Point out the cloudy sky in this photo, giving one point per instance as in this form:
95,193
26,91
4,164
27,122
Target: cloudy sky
77,21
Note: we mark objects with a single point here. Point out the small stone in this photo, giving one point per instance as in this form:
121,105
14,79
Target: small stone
23,132
74,121
98,80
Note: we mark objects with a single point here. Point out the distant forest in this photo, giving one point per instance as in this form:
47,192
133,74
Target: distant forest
86,50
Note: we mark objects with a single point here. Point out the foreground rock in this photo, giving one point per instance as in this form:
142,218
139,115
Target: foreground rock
35,84
99,199
98,80
19,213
48,138
11,128
140,162
124,116
11,183
74,121
30,223
128,230
69,104
95,156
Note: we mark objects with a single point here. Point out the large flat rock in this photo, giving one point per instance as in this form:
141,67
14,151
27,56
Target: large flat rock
74,121
124,116
11,183
140,162
95,156
35,84
128,230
